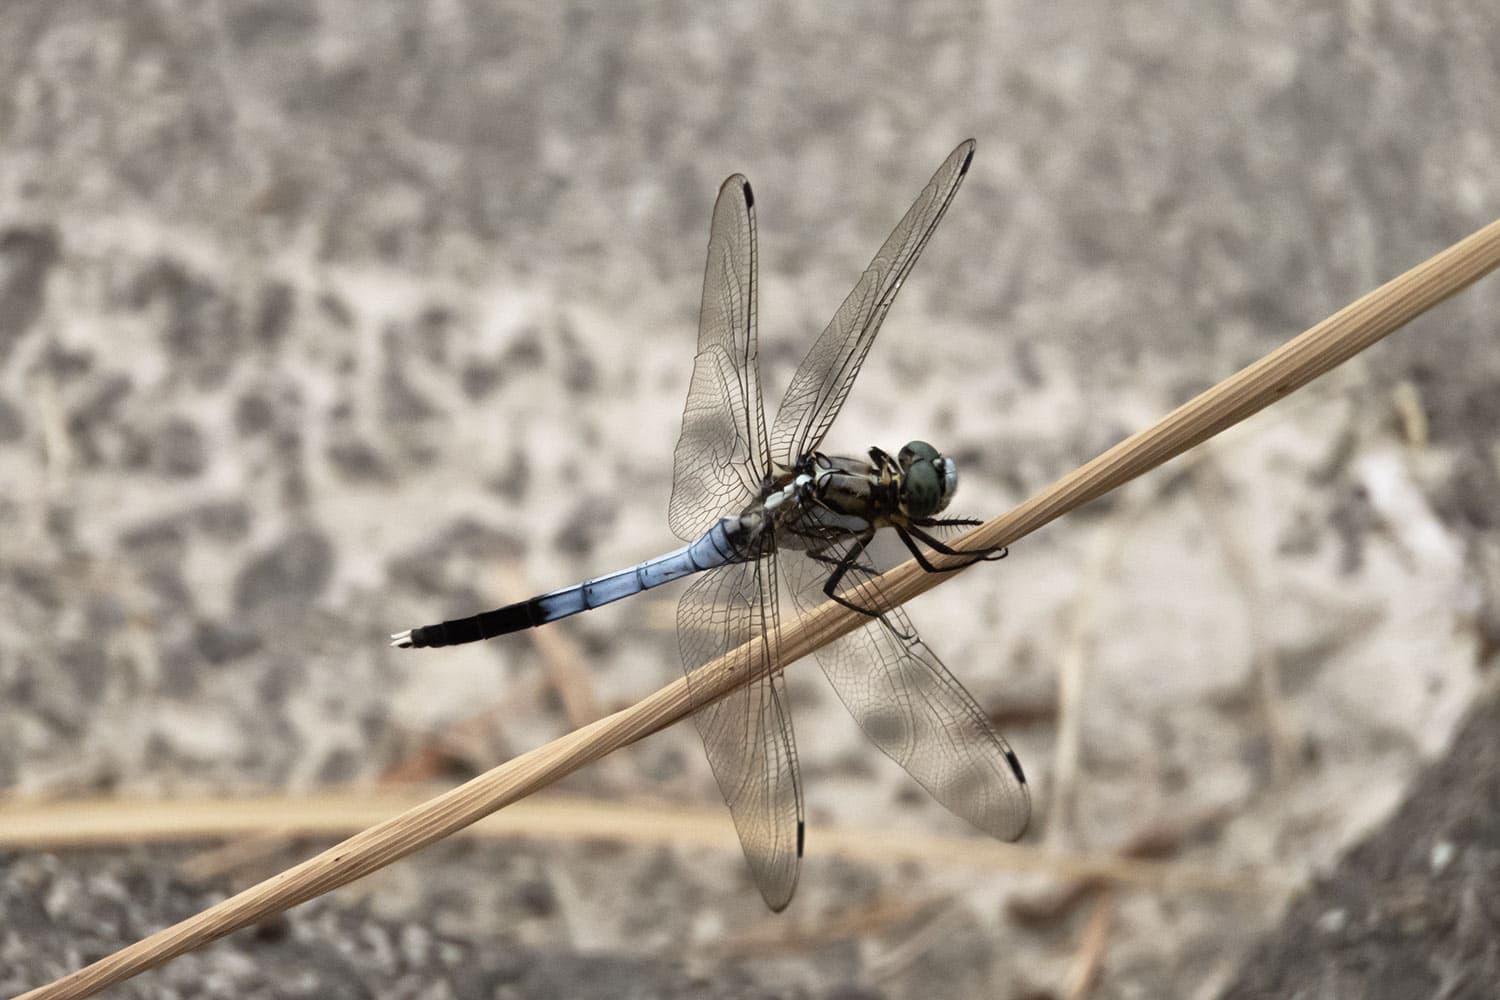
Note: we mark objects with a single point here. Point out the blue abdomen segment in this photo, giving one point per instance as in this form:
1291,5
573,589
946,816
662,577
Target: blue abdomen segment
715,548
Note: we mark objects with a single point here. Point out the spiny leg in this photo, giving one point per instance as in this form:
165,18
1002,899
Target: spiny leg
990,554
922,559
841,567
947,522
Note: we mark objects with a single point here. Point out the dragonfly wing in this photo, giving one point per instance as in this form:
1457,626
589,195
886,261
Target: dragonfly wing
912,708
748,733
822,381
721,454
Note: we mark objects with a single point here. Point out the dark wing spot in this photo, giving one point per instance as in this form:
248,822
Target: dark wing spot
1015,765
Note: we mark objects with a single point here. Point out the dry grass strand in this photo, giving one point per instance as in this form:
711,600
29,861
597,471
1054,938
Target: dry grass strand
1285,369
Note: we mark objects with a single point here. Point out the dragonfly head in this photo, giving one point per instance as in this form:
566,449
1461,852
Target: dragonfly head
928,480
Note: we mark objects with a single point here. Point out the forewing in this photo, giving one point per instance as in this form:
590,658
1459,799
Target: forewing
748,733
822,381
913,709
721,454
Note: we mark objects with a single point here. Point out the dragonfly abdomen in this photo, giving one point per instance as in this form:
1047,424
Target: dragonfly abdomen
717,547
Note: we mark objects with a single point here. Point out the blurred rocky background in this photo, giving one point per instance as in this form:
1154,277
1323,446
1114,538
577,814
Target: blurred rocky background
321,320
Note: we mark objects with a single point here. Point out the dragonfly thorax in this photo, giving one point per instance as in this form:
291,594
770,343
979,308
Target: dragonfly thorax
830,494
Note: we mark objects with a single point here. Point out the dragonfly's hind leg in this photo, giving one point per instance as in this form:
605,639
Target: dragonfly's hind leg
841,567
990,554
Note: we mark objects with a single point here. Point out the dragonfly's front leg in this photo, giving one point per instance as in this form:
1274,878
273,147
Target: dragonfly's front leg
921,557
991,554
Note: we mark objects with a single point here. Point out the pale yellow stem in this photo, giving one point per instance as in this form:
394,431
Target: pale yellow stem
1295,363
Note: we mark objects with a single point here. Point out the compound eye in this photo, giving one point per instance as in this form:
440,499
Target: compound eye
914,452
922,490
950,479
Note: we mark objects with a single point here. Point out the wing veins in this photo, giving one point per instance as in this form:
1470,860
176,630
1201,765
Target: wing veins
722,450
814,396
912,707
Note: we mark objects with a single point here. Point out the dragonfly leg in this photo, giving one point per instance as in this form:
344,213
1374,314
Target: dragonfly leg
841,567
980,555
922,559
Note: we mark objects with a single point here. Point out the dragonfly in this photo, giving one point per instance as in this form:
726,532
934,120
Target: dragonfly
762,510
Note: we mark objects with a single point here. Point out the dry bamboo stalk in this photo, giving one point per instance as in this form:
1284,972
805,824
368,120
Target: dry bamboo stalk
552,818
1290,366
